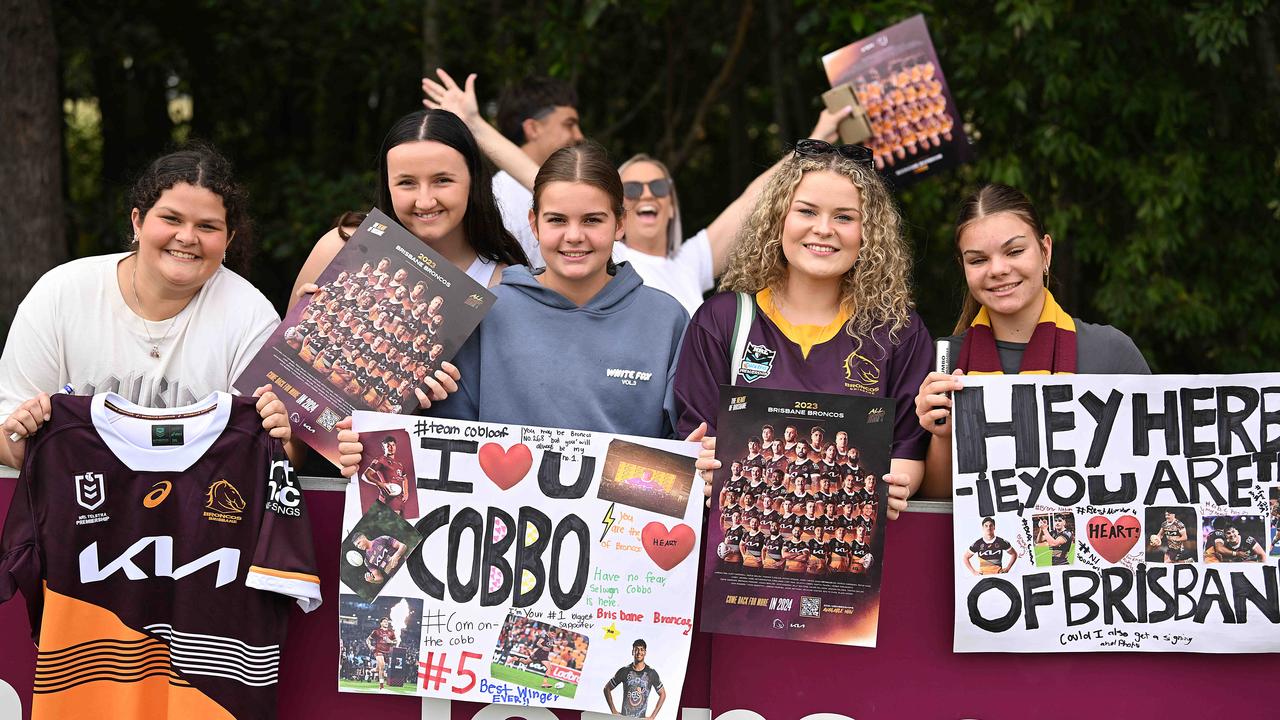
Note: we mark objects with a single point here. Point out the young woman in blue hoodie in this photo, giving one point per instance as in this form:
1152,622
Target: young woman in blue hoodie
581,343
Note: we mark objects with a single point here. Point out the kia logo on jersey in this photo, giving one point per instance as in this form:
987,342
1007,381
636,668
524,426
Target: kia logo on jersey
91,490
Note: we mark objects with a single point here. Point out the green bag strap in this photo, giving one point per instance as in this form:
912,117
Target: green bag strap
741,329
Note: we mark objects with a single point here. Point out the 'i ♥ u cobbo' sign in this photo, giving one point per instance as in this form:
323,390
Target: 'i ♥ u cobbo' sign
542,560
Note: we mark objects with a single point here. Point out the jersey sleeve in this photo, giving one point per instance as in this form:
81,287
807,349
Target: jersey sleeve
617,679
701,368
21,564
911,361
976,546
284,559
655,682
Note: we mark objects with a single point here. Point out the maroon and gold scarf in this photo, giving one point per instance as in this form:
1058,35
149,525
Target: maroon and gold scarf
1051,350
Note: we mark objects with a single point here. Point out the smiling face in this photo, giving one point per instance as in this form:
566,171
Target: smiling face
182,238
822,232
1004,263
576,230
648,215
429,184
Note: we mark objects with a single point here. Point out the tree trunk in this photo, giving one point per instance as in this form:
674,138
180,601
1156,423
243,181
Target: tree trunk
32,231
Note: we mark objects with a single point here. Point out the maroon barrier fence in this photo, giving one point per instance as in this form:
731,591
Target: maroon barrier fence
912,674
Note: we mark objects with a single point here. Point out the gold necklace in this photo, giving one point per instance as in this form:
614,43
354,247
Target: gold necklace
155,346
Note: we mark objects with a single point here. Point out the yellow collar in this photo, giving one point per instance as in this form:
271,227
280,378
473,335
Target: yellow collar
806,336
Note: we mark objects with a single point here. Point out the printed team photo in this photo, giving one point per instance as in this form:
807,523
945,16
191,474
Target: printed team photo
797,518
383,318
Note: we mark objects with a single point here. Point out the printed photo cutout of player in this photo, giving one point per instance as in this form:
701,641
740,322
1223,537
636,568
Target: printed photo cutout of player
386,473
536,654
1054,538
639,683
1170,534
378,644
1274,511
1234,538
646,478
995,554
375,550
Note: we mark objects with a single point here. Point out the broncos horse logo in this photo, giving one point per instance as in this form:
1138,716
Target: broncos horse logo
860,370
223,497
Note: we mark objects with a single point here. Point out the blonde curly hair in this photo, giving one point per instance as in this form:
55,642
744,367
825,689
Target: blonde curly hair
876,291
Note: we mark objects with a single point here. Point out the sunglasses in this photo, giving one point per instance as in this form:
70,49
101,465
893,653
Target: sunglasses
818,148
633,190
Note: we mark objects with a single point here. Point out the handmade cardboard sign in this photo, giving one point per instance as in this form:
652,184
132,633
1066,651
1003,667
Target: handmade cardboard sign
1127,512
557,568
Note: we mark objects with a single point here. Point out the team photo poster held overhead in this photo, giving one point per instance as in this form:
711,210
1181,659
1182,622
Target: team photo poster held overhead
388,311
554,566
1116,512
798,512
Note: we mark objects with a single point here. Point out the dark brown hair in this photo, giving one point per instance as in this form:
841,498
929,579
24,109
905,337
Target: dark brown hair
991,199
586,163
482,223
200,165
533,97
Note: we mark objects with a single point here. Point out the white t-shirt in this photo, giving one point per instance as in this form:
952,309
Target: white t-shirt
685,276
514,202
75,329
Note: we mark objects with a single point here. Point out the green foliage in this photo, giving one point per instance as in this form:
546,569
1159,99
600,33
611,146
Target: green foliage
1146,133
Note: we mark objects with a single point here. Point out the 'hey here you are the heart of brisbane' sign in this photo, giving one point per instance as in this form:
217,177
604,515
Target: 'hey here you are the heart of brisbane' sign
1127,513
548,558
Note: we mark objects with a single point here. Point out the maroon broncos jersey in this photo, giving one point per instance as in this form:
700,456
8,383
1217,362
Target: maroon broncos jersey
159,552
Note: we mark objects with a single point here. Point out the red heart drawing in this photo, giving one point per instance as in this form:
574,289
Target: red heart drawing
505,467
1114,540
667,548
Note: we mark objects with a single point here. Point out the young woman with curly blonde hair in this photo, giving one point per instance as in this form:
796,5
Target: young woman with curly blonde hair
823,258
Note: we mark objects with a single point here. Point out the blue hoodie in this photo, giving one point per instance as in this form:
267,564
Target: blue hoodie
539,359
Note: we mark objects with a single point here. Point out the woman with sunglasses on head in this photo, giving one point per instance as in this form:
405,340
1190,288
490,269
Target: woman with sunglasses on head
1010,322
432,181
543,354
825,263
653,239
164,324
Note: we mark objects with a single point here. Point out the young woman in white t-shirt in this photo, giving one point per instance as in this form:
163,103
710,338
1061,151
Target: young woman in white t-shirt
162,325
653,241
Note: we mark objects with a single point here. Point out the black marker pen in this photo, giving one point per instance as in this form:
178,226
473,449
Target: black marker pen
942,364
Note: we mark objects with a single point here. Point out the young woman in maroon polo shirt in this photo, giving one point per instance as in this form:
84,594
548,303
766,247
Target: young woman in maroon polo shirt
823,258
